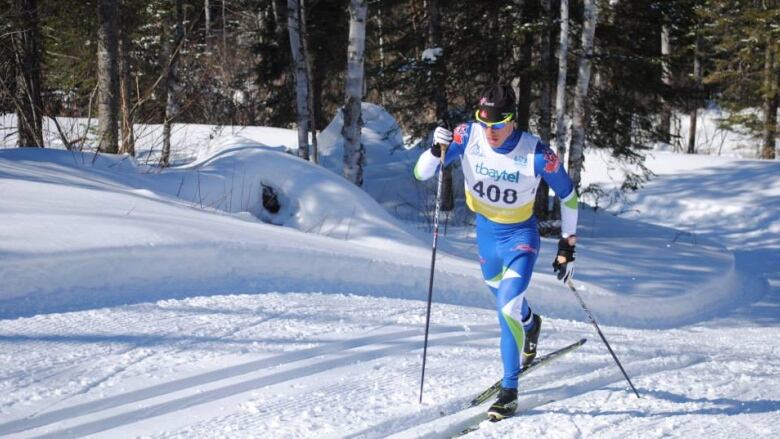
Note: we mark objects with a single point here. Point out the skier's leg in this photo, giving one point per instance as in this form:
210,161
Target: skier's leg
519,256
514,314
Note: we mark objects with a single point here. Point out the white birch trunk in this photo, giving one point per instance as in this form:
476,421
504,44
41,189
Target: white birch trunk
560,91
697,73
108,76
353,147
576,149
301,77
207,12
666,78
172,105
544,101
127,141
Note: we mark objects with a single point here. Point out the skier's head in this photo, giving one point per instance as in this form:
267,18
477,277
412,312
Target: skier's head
495,112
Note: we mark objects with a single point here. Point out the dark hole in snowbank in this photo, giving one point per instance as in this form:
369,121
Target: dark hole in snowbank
270,200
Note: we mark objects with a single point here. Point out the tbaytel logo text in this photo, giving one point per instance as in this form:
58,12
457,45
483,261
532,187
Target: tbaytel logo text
512,177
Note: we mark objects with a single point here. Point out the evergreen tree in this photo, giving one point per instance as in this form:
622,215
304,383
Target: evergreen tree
746,40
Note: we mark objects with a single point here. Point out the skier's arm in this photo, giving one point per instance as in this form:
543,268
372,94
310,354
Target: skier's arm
547,164
428,163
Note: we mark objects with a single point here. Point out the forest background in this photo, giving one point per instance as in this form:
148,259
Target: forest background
621,75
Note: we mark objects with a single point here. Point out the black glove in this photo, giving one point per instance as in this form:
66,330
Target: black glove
563,264
436,150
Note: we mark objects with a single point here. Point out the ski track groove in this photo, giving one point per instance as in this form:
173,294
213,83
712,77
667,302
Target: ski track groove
207,396
207,378
112,327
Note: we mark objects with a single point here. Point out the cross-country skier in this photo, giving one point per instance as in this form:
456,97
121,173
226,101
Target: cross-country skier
502,167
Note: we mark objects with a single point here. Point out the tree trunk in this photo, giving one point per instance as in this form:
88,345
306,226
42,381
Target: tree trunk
541,205
438,74
172,105
108,76
207,19
590,17
312,102
354,152
381,48
523,55
771,101
28,53
127,142
560,91
665,123
301,79
697,76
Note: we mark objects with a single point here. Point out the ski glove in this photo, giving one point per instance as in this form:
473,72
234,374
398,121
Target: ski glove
441,136
563,264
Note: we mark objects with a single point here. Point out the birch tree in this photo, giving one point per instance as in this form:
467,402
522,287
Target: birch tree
666,78
301,76
697,76
579,120
108,76
354,152
172,54
560,90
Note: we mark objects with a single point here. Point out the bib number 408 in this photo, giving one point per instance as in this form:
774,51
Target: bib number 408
494,193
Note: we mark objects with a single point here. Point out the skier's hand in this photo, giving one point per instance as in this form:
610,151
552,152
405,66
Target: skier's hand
441,136
563,264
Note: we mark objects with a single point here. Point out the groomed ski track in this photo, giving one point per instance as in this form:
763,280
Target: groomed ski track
197,368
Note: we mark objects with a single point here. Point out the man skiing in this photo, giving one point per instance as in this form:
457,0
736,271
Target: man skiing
502,167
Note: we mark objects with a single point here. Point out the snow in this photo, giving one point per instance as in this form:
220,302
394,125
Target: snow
139,302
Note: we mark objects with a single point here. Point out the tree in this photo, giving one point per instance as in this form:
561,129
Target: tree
172,45
438,73
579,121
541,205
310,102
301,75
108,76
27,53
666,78
696,80
746,39
127,109
560,93
354,152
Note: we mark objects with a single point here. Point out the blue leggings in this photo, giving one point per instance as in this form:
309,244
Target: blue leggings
507,253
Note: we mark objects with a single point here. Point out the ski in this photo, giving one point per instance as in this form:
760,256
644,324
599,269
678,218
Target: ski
493,390
539,361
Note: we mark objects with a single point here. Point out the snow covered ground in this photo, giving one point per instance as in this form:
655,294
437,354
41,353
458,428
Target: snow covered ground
136,302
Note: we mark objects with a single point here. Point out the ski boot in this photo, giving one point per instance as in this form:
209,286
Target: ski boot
505,405
531,338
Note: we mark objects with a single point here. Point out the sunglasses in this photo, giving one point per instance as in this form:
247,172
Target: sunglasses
495,125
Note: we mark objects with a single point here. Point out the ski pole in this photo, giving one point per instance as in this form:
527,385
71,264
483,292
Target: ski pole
433,263
596,325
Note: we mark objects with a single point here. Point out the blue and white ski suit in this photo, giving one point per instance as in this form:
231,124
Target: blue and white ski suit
500,186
